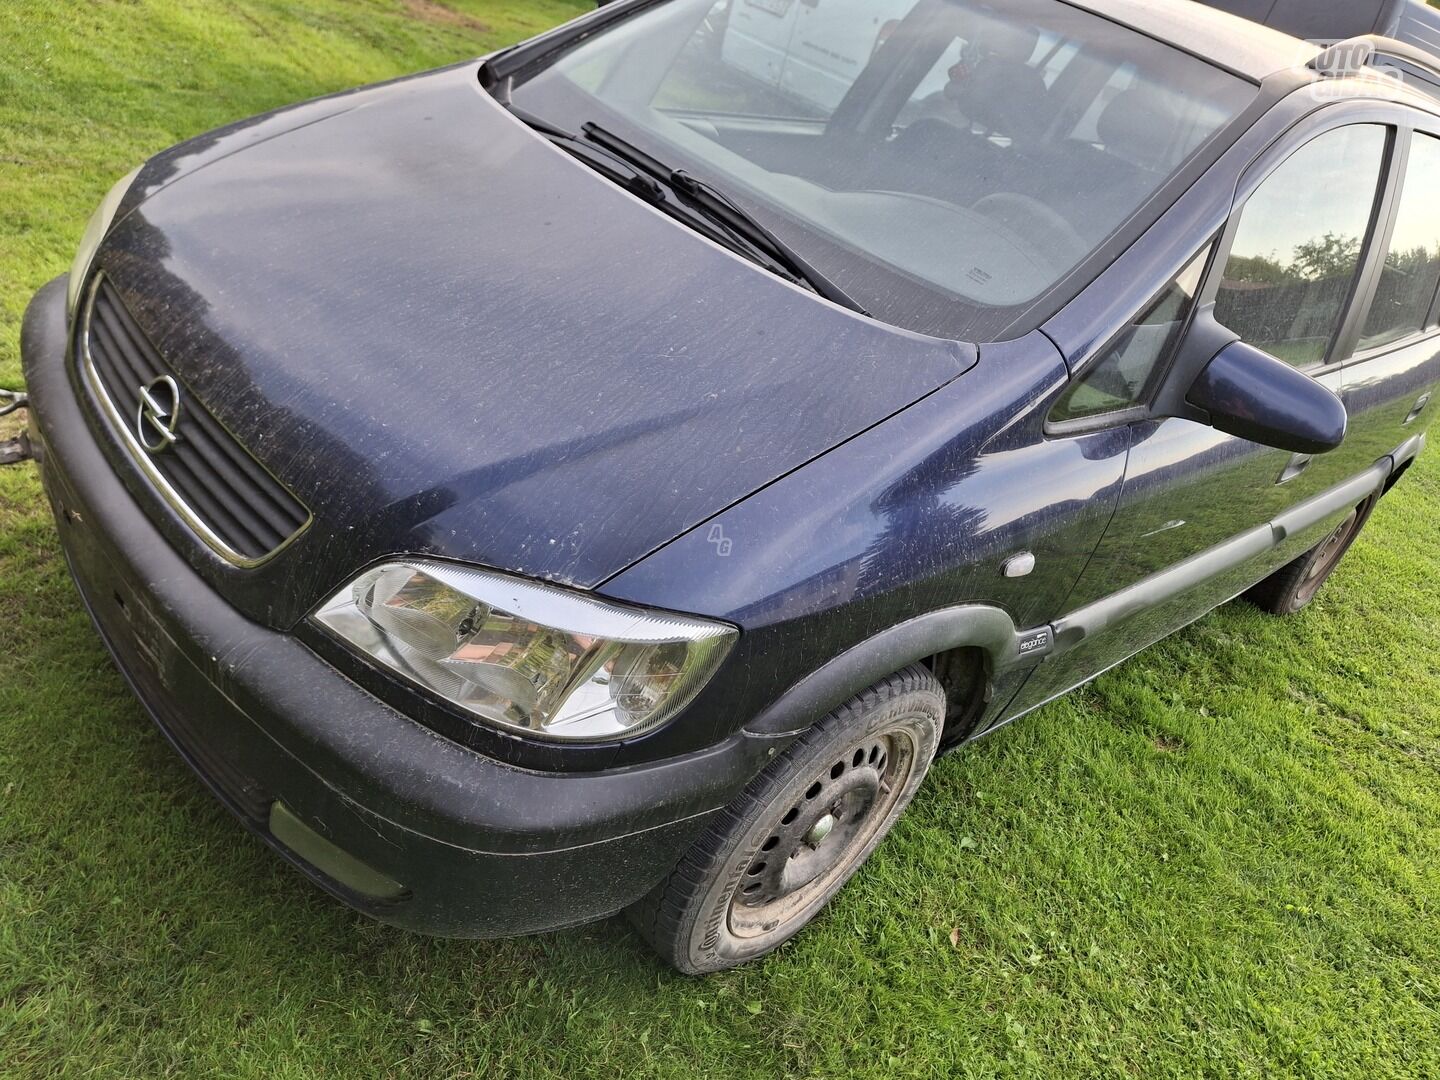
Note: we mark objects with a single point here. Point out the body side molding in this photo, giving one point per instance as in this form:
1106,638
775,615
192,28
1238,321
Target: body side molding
1094,618
1409,450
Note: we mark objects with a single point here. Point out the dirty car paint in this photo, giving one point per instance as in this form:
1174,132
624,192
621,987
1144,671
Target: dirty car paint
446,336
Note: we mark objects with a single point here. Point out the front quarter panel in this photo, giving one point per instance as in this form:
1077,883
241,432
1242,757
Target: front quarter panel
914,516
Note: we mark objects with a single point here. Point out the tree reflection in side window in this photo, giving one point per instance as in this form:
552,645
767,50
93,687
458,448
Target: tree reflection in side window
1297,249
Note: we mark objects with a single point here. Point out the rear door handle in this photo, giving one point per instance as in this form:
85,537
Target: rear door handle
1298,464
1420,403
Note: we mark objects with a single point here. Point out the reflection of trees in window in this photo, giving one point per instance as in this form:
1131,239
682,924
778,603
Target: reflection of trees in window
1272,303
1256,270
1290,308
1298,246
1411,273
1329,256
1402,299
1417,258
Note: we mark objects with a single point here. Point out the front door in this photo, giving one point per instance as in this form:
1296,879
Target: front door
1283,279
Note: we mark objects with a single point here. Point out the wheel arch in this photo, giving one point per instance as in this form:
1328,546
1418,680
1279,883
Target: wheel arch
957,644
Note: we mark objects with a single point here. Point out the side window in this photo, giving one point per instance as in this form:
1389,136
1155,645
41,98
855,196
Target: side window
1296,252
1411,273
1125,374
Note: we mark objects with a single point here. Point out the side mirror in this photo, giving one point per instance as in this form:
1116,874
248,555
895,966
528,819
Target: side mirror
1249,393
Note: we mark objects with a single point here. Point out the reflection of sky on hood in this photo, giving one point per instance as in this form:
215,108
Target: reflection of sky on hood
364,239
464,306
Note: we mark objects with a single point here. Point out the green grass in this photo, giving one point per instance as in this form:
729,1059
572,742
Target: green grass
1221,859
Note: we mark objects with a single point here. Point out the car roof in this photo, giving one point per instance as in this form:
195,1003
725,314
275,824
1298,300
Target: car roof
1228,41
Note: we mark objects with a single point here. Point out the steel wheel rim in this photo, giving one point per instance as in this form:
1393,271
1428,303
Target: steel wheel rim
820,837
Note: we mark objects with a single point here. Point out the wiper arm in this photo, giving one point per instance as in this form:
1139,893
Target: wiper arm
704,207
595,155
642,183
720,208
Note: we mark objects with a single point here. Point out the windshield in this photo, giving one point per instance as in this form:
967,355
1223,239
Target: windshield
944,162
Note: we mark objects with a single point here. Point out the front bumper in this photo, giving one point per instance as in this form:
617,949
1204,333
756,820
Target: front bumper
471,847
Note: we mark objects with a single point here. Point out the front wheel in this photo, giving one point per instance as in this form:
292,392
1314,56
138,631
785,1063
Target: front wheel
774,857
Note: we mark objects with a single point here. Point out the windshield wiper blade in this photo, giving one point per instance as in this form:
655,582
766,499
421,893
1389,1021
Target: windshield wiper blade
642,183
704,207
720,208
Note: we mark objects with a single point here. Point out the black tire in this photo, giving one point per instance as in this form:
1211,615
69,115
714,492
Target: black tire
1295,584
726,903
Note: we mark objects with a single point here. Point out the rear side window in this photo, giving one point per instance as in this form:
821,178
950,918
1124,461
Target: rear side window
1411,273
1292,266
1125,375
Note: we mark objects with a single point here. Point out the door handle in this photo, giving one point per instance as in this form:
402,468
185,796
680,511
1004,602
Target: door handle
1420,403
1297,465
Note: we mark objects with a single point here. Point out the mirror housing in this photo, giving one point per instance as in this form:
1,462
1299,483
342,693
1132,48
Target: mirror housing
1246,392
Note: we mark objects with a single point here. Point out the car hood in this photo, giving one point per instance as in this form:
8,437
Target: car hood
445,335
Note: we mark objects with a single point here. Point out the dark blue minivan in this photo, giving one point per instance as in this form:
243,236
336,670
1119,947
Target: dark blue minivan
603,476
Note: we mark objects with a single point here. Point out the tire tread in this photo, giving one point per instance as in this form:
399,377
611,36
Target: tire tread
659,916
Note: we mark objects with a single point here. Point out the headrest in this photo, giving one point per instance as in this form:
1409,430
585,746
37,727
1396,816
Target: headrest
1137,127
1006,39
1007,98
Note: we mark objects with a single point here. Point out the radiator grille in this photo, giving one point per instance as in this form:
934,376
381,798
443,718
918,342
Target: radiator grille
213,482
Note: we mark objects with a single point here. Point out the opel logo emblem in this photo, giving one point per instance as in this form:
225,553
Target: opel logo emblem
158,415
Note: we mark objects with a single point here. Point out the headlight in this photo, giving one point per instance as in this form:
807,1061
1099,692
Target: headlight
526,656
95,230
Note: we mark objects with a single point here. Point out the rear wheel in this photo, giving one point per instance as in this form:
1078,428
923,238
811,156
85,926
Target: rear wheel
797,833
1295,584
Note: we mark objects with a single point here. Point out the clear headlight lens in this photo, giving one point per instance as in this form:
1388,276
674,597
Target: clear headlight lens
526,656
95,230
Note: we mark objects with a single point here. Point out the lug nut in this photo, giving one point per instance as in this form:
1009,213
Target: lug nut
820,830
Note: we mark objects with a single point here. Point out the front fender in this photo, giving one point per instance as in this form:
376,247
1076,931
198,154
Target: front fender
968,625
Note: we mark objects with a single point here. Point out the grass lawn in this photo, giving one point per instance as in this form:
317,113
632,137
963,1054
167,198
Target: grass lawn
1221,859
